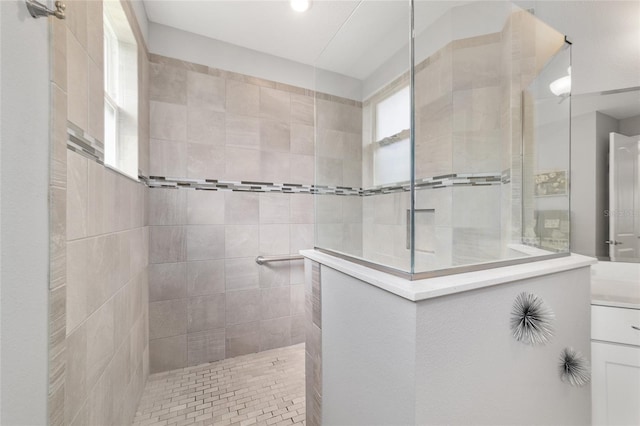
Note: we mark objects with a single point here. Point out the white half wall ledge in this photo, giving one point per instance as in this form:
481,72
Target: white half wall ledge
451,284
186,46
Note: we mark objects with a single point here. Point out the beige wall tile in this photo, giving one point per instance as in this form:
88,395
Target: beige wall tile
274,135
205,346
302,139
275,167
77,83
96,101
242,339
241,240
77,195
301,237
301,208
303,169
206,91
77,276
75,372
275,333
167,206
167,84
275,302
167,244
241,208
167,318
205,277
206,312
302,109
59,54
274,239
96,206
167,281
100,342
274,208
205,207
168,158
205,126
242,164
168,354
275,104
242,131
242,306
200,239
95,41
243,98
241,274
275,274
168,121
76,19
205,161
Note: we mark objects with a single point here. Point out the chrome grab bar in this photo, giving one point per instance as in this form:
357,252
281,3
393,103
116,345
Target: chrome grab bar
261,260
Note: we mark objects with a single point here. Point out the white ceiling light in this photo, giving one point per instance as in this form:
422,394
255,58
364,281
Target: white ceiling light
300,5
562,86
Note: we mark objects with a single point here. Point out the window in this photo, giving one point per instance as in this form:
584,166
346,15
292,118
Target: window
392,148
120,92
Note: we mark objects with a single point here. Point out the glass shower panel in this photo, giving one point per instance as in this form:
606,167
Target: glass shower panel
448,151
363,143
546,156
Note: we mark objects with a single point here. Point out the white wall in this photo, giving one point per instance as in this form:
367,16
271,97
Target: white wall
174,43
630,126
24,147
589,182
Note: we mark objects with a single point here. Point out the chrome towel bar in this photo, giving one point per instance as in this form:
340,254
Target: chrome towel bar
261,260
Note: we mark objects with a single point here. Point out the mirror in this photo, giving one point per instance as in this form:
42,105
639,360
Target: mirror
605,205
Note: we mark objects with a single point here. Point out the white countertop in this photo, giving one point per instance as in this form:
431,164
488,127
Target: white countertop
450,284
616,284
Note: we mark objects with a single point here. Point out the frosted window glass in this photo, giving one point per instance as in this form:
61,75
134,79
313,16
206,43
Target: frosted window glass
391,162
393,114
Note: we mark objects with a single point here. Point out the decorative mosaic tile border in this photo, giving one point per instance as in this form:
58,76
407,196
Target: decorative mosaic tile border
443,181
247,186
79,141
459,179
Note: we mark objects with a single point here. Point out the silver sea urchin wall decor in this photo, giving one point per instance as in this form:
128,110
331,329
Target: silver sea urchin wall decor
531,320
574,368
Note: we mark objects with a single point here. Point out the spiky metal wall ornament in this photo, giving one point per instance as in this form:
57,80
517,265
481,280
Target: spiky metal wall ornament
531,320
574,368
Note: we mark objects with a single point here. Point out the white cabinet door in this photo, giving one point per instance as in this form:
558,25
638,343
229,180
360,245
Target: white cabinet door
615,384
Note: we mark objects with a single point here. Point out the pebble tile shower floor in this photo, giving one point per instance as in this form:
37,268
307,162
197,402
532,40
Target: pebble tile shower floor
266,388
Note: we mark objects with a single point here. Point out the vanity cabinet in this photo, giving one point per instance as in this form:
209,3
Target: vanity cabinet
615,355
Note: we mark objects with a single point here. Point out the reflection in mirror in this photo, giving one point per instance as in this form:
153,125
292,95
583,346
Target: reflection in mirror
606,205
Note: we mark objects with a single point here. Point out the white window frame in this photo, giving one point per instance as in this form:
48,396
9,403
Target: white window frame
120,84
111,87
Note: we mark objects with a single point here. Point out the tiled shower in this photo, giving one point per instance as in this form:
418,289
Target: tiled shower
160,274
231,169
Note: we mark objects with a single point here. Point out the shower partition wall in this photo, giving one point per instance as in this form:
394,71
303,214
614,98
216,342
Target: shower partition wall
455,157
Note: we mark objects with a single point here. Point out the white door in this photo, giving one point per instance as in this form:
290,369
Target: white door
624,201
615,384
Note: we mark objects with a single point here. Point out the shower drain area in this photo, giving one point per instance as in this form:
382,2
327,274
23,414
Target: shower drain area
265,388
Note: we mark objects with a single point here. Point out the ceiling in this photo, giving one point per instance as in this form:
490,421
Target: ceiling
267,26
376,29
